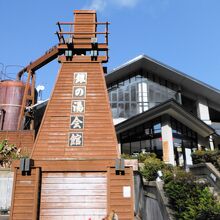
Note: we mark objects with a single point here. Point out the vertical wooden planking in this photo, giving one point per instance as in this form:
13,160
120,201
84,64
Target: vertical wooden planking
73,195
99,135
123,206
25,200
85,23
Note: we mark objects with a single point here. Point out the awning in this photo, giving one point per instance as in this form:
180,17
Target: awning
172,108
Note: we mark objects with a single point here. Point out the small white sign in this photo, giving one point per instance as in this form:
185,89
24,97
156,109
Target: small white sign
213,177
126,191
188,153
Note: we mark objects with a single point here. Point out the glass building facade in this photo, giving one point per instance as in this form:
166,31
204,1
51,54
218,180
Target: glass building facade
144,138
184,140
139,92
148,138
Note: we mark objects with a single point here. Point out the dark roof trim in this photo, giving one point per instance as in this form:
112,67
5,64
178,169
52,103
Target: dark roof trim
172,108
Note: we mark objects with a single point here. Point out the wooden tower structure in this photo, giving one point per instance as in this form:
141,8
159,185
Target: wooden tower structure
74,170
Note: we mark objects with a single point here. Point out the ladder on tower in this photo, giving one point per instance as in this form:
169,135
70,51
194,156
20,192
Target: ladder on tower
28,99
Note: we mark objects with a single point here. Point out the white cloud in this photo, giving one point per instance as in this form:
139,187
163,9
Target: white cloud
100,5
126,3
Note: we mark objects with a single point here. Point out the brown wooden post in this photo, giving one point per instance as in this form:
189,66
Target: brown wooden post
37,194
24,100
13,193
32,96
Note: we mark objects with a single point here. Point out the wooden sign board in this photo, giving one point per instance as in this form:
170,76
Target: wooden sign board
165,151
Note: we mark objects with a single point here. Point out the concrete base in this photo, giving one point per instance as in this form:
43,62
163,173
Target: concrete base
4,217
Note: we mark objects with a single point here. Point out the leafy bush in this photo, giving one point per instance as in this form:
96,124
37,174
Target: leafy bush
8,153
191,199
208,156
127,156
152,165
141,157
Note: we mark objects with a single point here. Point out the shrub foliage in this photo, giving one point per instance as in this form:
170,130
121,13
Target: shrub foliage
8,153
207,156
152,165
190,198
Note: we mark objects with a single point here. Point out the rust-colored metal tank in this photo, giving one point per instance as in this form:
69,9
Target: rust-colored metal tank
11,94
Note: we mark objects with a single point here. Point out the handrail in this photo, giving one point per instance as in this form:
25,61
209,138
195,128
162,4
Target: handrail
209,171
76,33
82,23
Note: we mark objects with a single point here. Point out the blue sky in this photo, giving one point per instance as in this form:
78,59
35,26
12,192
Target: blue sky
184,34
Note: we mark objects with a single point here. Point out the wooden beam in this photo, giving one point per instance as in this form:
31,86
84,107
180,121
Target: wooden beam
84,59
40,62
24,100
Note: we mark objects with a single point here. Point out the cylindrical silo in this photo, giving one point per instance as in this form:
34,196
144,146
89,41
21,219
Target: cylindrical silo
11,94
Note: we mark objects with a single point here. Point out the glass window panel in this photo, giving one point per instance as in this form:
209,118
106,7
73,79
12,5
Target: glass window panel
189,132
157,144
133,93
145,106
114,110
114,97
148,145
133,108
135,147
179,128
127,110
121,110
157,128
125,148
120,95
184,130
177,142
127,97
193,134
144,144
187,143
140,107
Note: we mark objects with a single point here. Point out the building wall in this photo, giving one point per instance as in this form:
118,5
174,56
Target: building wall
141,91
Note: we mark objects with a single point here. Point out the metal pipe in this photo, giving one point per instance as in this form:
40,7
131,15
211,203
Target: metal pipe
11,65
